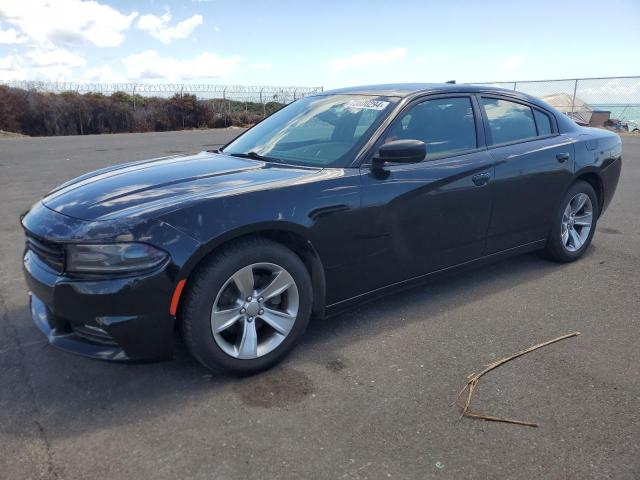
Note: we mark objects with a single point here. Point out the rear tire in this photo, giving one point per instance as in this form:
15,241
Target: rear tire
574,224
246,306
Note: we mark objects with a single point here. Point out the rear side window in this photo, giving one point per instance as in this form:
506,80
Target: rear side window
509,121
446,125
542,122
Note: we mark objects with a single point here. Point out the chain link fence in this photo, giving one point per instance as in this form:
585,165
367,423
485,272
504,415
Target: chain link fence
70,108
227,98
612,102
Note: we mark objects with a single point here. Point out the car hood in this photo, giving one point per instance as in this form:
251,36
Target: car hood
139,188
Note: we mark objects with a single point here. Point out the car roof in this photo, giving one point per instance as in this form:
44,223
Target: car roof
412,90
408,89
403,90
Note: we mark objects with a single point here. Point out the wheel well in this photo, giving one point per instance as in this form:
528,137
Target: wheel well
595,181
302,248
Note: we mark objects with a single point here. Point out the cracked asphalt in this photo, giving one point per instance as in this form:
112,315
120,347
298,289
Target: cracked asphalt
367,394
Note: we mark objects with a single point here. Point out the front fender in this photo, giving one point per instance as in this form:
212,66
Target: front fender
316,219
206,248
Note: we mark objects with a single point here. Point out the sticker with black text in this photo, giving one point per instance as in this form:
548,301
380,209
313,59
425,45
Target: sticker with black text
367,104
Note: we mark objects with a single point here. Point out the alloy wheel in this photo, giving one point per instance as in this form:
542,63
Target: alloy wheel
255,310
577,221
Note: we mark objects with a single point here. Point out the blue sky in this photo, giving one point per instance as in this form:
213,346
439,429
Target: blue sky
320,43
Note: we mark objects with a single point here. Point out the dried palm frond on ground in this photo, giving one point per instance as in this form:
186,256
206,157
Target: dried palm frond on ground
474,378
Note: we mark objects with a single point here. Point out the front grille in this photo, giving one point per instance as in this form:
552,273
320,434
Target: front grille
52,254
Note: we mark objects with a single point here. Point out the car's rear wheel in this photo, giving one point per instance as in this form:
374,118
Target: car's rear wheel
574,224
246,307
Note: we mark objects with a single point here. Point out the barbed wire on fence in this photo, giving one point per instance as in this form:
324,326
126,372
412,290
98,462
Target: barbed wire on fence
242,93
619,97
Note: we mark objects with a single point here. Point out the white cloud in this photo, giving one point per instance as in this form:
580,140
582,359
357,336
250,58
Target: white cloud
54,57
259,66
513,62
159,27
7,63
11,36
67,21
40,64
422,59
371,57
102,74
149,65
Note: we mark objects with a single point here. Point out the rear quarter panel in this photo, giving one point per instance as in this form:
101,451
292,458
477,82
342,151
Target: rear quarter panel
600,151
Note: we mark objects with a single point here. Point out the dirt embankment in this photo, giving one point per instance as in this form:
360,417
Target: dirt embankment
4,134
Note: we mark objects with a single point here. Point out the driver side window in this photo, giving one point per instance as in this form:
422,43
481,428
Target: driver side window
446,125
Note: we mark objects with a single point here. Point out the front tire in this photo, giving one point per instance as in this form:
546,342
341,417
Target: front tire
247,306
574,223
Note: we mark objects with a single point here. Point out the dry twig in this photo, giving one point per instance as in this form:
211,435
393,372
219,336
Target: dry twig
473,379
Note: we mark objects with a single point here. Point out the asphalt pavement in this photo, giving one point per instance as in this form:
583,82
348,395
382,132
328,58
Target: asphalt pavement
367,394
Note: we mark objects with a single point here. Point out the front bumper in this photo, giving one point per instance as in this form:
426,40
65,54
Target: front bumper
120,319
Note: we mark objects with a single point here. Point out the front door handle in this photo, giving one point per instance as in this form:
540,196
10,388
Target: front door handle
563,157
481,179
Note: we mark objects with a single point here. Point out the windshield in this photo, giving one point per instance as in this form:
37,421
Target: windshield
320,131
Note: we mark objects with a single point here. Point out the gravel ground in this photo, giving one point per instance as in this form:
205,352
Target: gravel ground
367,395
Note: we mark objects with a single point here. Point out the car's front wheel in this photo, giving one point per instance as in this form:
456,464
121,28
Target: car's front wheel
246,307
574,223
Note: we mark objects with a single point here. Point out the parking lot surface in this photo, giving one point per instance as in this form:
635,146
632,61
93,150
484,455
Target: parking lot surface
367,394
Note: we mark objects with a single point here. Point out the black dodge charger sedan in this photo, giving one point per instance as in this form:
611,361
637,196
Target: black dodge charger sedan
336,198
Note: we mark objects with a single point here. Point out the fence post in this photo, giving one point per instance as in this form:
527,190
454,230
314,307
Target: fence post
224,100
133,94
79,110
573,100
264,108
182,105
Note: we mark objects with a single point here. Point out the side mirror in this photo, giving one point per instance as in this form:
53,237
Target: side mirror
400,151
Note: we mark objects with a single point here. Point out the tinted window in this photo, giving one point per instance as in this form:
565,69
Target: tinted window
313,129
446,125
509,121
542,122
367,118
325,130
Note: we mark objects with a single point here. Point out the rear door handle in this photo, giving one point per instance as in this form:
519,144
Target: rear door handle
481,179
563,157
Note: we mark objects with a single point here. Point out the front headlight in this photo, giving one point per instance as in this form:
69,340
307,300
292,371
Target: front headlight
112,257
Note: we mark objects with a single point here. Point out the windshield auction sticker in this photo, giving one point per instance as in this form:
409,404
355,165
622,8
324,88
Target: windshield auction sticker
367,104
